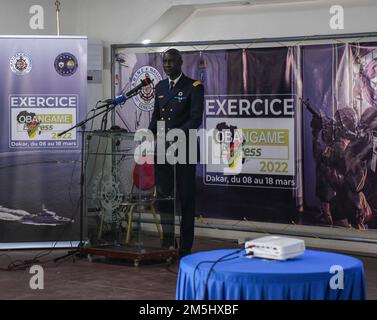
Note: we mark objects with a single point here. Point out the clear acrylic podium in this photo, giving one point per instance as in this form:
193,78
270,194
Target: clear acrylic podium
129,208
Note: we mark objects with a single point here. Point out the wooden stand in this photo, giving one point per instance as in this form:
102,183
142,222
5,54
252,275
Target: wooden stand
132,253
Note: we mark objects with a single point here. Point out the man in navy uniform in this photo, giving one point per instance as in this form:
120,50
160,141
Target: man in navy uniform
178,105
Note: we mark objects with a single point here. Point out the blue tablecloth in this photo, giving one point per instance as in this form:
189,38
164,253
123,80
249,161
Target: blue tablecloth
306,277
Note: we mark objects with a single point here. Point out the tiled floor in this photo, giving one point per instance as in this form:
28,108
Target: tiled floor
81,279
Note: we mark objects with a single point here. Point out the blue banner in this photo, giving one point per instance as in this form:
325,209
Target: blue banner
42,93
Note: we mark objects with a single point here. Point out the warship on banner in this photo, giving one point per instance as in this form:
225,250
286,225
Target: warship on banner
43,218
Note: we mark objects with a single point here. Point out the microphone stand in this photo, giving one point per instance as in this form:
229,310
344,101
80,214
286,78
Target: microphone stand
109,106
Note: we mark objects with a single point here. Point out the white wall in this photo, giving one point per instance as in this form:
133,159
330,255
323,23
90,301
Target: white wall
117,21
15,17
111,21
127,21
279,20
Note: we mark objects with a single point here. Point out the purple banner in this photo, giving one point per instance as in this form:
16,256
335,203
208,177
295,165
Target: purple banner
43,92
322,170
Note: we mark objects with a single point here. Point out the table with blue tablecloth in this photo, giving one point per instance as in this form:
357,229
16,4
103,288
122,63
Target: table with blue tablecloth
307,277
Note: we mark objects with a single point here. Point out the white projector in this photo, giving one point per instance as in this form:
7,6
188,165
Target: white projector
275,247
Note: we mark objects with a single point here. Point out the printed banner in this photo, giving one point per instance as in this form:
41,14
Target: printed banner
244,77
340,135
299,122
265,128
36,121
43,93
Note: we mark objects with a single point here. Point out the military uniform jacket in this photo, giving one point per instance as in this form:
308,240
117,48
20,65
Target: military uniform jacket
181,107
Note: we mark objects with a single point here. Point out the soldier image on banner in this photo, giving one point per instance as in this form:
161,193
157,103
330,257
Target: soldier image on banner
343,151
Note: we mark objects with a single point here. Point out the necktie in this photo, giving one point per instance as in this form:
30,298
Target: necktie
171,85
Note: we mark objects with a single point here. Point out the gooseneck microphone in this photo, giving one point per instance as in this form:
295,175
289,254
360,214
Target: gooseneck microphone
125,96
110,104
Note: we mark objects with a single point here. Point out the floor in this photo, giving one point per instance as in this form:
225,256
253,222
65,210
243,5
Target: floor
75,278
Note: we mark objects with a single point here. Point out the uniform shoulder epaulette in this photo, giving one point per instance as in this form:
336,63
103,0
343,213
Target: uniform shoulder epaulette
196,83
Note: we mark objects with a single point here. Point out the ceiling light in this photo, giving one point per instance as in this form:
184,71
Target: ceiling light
146,41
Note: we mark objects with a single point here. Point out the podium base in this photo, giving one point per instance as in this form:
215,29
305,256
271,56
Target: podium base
134,254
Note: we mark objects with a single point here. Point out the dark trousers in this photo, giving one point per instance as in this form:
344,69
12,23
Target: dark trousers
184,177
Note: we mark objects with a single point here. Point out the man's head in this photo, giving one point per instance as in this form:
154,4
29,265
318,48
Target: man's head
172,63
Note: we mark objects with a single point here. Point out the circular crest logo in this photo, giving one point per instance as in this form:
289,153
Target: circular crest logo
20,64
66,64
145,99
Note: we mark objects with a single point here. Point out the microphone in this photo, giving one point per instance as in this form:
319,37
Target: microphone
124,97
